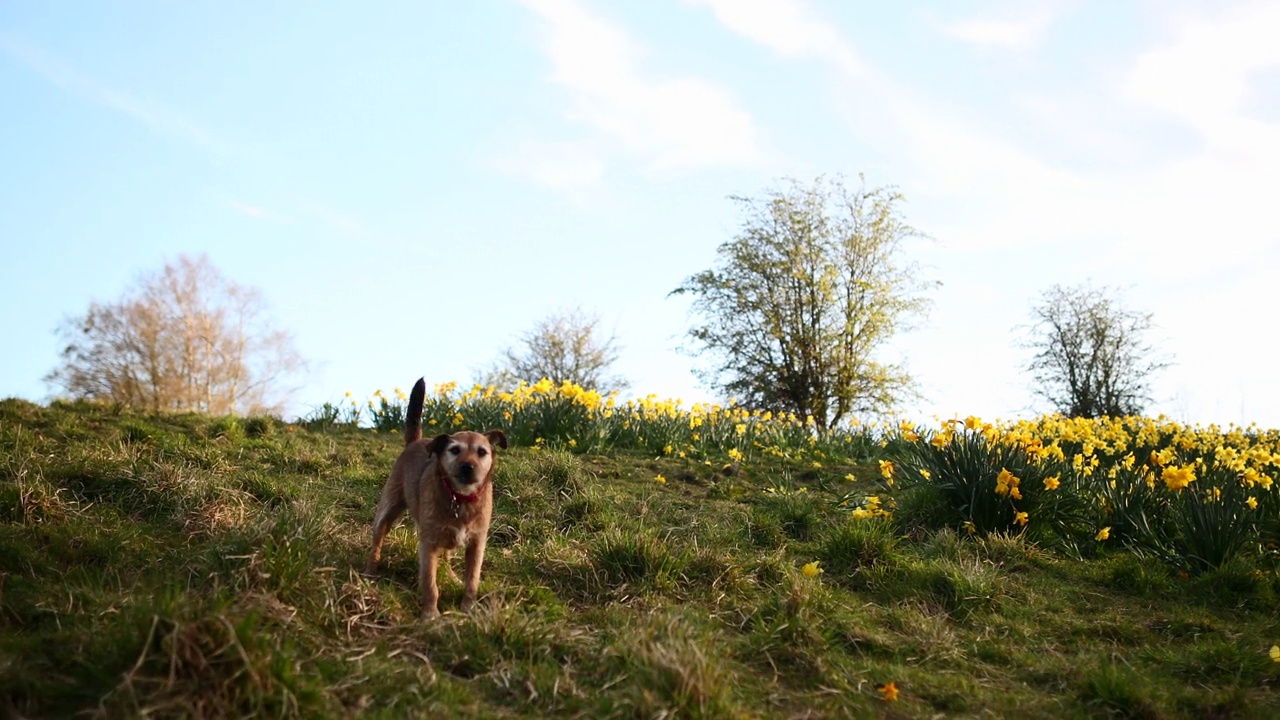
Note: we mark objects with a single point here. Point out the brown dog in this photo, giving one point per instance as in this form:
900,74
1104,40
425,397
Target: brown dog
446,483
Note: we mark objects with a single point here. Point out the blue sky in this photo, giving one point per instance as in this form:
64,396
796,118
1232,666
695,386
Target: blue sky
413,184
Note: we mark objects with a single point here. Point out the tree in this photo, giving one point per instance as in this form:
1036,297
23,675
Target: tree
566,346
800,300
182,339
1091,360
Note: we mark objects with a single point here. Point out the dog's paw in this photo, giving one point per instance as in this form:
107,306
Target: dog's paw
430,613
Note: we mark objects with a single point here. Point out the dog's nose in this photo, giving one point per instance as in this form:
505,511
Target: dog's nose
466,469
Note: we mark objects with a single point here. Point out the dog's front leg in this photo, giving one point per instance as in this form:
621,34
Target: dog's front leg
475,558
428,564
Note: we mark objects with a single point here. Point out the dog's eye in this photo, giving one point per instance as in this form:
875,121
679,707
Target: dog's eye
455,450
482,452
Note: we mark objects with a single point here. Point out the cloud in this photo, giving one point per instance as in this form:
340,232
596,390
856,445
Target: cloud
788,28
334,219
949,154
670,124
1204,77
257,212
567,166
158,117
1020,33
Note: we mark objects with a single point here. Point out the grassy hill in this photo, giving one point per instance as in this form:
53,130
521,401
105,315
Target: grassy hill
185,566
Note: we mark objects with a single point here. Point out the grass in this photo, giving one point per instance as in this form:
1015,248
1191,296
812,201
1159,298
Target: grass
184,566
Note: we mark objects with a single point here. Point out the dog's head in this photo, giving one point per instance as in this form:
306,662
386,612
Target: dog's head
467,457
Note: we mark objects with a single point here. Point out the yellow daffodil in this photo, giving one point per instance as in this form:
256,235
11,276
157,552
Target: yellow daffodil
811,569
1020,518
888,692
661,480
1177,478
1275,653
1051,483
1103,534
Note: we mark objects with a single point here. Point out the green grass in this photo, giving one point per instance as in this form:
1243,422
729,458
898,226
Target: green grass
183,566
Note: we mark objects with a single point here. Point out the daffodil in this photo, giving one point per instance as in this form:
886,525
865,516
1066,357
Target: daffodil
1051,483
661,480
811,569
888,692
1020,518
1177,478
1103,534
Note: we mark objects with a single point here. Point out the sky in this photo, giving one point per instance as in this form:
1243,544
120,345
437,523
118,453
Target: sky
413,185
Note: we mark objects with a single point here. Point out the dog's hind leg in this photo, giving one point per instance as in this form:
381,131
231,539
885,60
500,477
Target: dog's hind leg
448,568
390,508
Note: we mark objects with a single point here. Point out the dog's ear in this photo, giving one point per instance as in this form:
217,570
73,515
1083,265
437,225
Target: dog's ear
497,437
438,444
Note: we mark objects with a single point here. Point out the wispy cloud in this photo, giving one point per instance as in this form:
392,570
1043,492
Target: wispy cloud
1204,77
337,220
667,124
258,212
158,117
1024,31
948,154
789,28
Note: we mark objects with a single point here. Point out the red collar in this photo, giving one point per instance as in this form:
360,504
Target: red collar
457,496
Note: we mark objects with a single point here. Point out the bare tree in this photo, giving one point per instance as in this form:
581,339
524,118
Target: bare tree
803,297
566,346
182,339
1091,357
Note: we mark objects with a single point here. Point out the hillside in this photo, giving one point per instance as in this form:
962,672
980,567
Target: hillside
186,566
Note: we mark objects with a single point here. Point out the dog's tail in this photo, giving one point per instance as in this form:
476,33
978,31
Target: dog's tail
413,415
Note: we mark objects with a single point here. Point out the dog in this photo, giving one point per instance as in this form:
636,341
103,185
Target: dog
446,484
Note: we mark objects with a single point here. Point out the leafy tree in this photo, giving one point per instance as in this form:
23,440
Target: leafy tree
800,300
1090,358
566,346
182,339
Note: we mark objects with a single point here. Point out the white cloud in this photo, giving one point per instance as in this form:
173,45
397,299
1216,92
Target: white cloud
156,116
789,28
666,124
566,166
1020,33
1203,76
254,211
